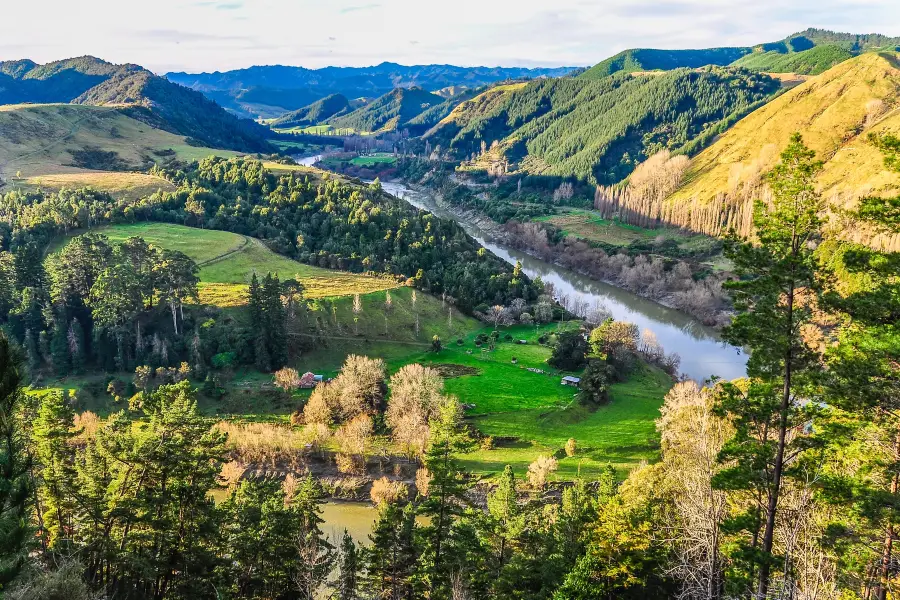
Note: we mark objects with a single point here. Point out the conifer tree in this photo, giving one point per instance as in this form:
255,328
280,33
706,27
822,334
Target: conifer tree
778,272
15,481
392,556
347,585
55,456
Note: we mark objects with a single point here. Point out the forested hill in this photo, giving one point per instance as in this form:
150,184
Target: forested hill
836,113
271,91
599,129
647,59
807,52
319,111
161,103
389,112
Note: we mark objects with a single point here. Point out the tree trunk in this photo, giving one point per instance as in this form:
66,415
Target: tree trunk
778,468
887,551
174,316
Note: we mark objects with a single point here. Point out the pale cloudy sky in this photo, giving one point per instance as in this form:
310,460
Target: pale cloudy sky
208,35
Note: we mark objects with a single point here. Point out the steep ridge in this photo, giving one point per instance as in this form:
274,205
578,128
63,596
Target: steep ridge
390,112
598,130
318,112
835,112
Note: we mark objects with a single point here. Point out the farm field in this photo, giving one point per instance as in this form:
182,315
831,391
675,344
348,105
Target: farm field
513,395
374,159
56,145
228,260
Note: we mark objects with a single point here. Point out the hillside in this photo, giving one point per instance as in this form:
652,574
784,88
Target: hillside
814,61
160,103
390,112
599,129
318,112
68,145
271,91
645,59
835,112
807,52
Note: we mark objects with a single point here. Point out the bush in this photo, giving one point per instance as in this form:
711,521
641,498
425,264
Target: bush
508,337
223,360
459,342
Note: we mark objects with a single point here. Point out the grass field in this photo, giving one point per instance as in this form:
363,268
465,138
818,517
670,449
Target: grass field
228,260
38,140
374,159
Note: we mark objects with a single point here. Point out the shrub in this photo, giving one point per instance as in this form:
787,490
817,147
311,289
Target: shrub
539,471
223,360
386,491
570,447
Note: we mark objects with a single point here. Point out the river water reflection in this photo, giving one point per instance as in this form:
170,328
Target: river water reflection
702,352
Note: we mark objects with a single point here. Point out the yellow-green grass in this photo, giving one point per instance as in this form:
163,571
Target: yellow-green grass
835,112
38,140
130,186
621,434
228,262
373,160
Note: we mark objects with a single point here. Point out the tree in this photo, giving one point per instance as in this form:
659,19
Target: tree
15,480
503,509
593,389
569,352
55,454
415,400
287,379
772,301
446,488
863,379
347,586
392,556
176,276
315,556
260,531
692,438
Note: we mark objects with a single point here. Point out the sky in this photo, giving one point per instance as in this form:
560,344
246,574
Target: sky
210,35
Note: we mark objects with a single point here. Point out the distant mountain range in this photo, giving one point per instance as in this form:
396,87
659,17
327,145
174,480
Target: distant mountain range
272,91
139,93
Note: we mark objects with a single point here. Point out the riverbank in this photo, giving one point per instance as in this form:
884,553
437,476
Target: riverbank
700,347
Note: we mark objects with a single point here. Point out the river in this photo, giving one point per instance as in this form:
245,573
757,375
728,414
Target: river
702,352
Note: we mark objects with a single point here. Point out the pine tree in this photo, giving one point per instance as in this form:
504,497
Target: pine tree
442,506
55,456
75,343
15,480
863,380
59,348
347,585
391,558
777,275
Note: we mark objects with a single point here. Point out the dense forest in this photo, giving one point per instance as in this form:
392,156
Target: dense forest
98,306
807,62
320,111
600,130
391,112
168,106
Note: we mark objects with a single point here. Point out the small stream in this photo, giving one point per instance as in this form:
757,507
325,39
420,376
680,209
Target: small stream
702,352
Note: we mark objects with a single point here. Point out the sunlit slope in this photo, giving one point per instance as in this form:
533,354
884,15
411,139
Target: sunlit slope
66,145
834,112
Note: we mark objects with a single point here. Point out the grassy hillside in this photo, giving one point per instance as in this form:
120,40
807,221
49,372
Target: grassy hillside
66,145
390,112
157,101
318,112
599,129
835,112
228,260
808,62
645,59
